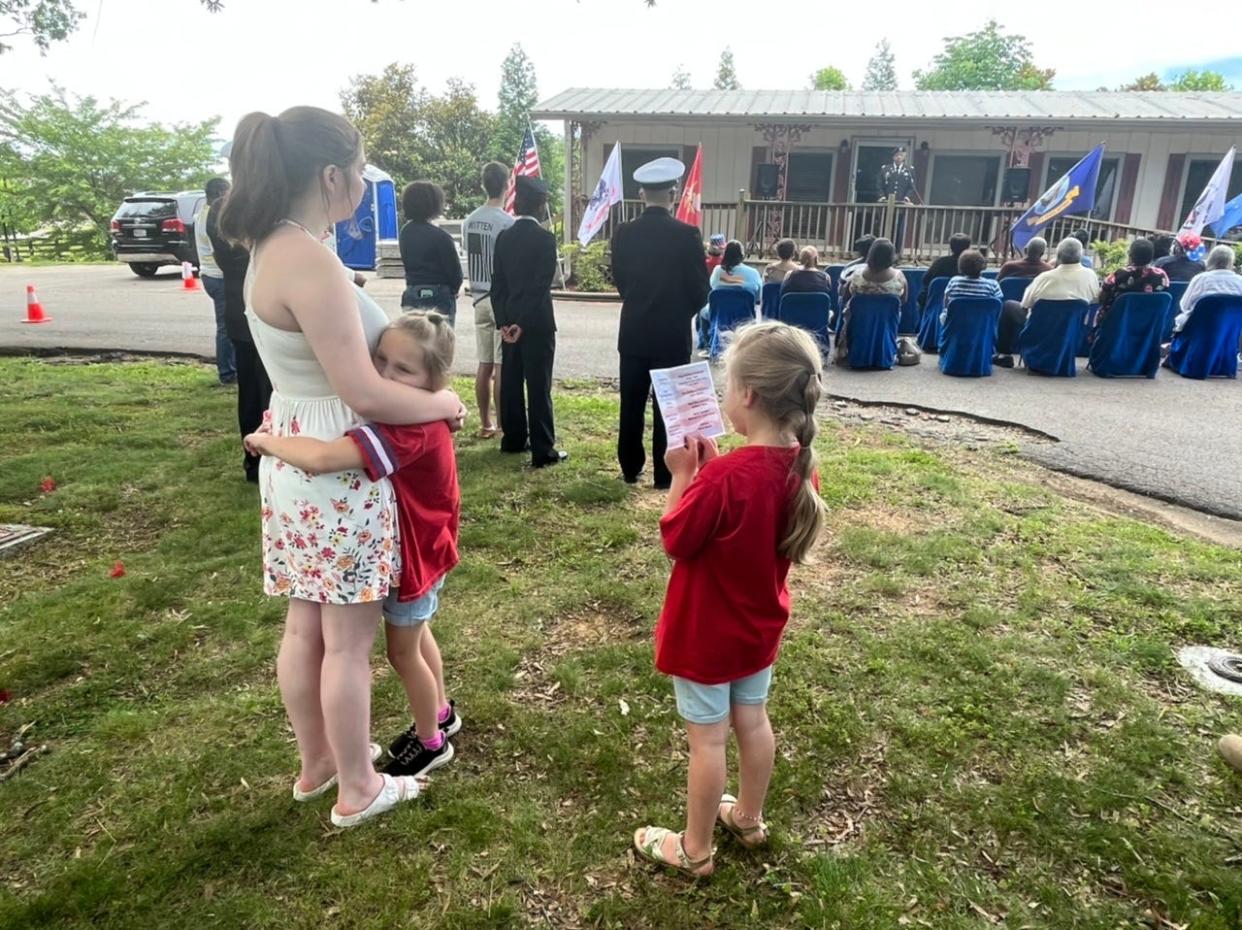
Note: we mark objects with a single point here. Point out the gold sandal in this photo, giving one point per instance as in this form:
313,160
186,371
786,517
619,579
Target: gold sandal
745,835
649,843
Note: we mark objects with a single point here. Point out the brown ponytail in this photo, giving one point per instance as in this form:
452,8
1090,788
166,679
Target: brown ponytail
275,160
782,366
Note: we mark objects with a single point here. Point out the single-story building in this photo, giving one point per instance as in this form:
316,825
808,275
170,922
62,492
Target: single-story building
807,163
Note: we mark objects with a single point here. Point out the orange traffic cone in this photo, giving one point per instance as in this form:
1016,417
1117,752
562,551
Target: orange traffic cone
34,309
188,281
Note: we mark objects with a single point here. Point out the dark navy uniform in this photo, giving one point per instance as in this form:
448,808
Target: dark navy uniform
660,270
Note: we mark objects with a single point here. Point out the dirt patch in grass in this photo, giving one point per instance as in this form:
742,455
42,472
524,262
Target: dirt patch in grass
852,798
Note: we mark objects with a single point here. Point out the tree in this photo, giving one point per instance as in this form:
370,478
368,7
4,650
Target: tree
829,78
681,79
1149,81
726,74
70,161
985,60
1195,81
519,92
881,69
45,21
387,108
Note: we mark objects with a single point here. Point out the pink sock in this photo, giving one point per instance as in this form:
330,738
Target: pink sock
445,712
434,742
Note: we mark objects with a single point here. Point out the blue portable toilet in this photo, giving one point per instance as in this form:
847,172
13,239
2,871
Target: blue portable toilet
376,219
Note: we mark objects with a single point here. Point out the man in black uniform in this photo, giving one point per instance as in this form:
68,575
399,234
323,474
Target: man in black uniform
897,180
660,270
523,265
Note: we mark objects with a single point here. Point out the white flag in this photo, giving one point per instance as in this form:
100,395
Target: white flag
1211,203
607,192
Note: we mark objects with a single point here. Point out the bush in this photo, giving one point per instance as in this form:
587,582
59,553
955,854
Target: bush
1109,256
591,269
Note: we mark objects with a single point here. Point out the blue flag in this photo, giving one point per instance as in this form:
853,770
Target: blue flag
1231,218
1073,193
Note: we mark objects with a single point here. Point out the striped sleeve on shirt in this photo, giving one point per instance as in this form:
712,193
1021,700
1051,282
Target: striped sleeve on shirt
378,455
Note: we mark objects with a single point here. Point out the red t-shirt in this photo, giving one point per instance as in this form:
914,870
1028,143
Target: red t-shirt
423,468
713,261
727,602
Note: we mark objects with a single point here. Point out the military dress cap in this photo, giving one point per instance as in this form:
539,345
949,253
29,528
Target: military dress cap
899,150
535,186
660,173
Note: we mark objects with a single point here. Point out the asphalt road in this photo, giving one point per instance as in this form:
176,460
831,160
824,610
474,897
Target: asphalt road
1170,438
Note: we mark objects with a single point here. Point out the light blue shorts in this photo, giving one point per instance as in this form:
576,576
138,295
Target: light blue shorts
412,613
710,703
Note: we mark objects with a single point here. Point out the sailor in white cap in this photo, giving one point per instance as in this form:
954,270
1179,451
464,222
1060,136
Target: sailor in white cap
660,270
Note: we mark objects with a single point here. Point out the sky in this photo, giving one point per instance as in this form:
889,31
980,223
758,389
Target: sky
189,64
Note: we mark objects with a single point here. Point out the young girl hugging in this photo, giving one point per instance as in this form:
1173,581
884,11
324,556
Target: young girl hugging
733,524
416,350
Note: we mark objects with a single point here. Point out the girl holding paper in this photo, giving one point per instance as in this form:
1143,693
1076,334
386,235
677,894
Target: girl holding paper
733,525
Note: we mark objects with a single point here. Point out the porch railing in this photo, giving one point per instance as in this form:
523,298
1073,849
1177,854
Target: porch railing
921,230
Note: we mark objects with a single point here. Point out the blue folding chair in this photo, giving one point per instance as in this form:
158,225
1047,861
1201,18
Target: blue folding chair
929,328
808,311
770,301
968,336
1127,342
873,331
1014,288
909,322
990,273
1176,290
728,308
1208,346
1088,324
1048,342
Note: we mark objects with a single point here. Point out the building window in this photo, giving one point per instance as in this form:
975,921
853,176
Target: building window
633,158
964,180
1105,185
809,177
1198,173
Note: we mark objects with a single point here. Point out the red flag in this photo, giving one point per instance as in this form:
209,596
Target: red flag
690,210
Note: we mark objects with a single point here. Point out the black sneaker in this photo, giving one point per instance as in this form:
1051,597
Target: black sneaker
417,759
449,727
1003,361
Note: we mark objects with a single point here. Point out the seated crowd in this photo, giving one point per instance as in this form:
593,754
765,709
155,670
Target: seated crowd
1150,267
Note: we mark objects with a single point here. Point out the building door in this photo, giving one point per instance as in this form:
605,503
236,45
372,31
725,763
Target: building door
870,157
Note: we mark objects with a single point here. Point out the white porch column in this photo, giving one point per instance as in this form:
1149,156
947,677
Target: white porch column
567,203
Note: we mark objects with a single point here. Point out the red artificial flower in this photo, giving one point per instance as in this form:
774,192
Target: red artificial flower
118,570
4,696
47,485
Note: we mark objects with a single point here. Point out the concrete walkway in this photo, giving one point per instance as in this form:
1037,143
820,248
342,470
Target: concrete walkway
1170,438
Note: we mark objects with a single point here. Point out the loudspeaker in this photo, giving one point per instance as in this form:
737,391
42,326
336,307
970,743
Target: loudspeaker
767,180
1017,184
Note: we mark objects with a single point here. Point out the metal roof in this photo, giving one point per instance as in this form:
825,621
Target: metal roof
830,106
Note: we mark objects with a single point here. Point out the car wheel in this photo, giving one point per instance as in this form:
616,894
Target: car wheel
144,269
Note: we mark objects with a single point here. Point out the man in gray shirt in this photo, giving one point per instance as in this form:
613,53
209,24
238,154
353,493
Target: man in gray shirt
479,233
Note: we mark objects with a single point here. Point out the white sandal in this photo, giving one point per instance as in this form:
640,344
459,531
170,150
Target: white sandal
300,795
397,788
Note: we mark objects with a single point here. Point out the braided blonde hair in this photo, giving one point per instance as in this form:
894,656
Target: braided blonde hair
782,366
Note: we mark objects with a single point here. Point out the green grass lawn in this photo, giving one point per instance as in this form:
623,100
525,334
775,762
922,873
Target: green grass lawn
979,718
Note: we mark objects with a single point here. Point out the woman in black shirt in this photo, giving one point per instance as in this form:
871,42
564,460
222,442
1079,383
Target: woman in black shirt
432,267
808,278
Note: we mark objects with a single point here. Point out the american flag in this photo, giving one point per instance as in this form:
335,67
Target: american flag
526,166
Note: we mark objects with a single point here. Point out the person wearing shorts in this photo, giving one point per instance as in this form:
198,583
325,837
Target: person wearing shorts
479,232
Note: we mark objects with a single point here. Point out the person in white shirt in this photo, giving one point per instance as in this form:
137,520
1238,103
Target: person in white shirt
479,233
213,279
1069,280
1220,278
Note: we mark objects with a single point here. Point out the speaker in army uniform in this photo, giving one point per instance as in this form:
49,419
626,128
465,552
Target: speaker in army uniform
1017,184
767,180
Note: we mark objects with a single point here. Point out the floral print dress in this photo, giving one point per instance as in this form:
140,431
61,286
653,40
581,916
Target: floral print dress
327,538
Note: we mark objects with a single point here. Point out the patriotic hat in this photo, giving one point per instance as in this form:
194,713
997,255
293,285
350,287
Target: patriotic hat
660,174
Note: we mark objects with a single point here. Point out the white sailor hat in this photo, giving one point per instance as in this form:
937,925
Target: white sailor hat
660,173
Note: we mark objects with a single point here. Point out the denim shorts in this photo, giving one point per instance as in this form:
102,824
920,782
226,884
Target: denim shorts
412,613
710,703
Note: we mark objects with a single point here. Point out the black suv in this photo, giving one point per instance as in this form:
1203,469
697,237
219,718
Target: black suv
150,230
